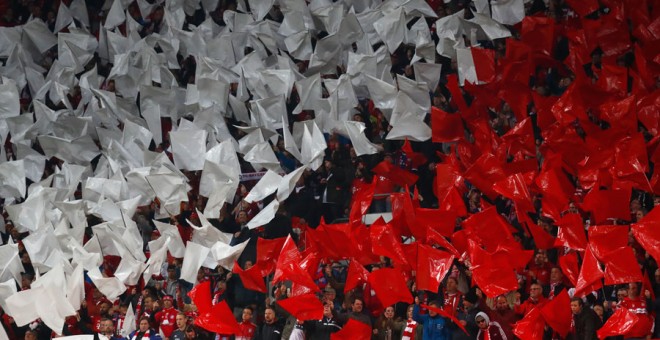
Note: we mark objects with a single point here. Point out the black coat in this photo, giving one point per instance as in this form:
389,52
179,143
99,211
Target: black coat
270,332
586,324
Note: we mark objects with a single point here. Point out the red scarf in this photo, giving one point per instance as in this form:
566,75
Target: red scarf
146,335
409,331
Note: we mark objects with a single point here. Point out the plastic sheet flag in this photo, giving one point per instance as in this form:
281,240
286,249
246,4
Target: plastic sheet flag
9,100
266,186
265,215
75,289
392,29
475,65
192,260
410,126
359,141
116,16
110,287
11,266
226,255
12,179
176,246
158,256
508,12
189,149
40,35
288,183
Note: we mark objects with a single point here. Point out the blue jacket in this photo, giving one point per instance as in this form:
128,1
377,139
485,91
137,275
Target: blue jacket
435,328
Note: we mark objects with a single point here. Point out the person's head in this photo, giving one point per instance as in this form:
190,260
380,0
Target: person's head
501,303
31,335
576,305
327,309
599,310
556,275
357,305
242,217
247,314
482,320
107,326
269,315
633,290
168,301
191,333
470,299
409,312
539,258
148,302
329,294
247,265
435,304
181,321
535,291
171,272
621,293
144,324
452,285
388,313
104,306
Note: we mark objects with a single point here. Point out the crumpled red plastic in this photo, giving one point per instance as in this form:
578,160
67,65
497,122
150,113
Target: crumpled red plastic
557,313
620,323
432,266
390,286
303,307
590,276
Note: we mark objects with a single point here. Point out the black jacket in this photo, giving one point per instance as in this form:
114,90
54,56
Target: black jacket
270,332
322,329
586,324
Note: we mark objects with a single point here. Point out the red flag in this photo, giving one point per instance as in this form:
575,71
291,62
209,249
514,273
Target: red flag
303,307
556,191
515,188
267,252
484,63
360,246
432,266
583,7
219,320
621,267
456,94
569,266
449,316
252,278
395,174
557,313
386,243
491,228
518,96
356,275
403,216
446,127
590,275
571,232
416,158
542,239
493,276
201,297
605,204
620,323
435,238
647,233
390,287
288,267
613,79
520,139
447,176
620,114
442,222
453,202
353,330
362,200
531,326
604,239
539,33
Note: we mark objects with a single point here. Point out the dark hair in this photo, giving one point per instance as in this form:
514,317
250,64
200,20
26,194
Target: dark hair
579,301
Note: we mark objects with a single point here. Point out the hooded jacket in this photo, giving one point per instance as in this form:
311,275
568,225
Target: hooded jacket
493,329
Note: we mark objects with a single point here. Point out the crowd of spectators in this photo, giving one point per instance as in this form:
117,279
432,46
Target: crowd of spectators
163,305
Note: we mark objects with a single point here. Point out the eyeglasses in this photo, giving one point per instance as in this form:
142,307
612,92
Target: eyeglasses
481,321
